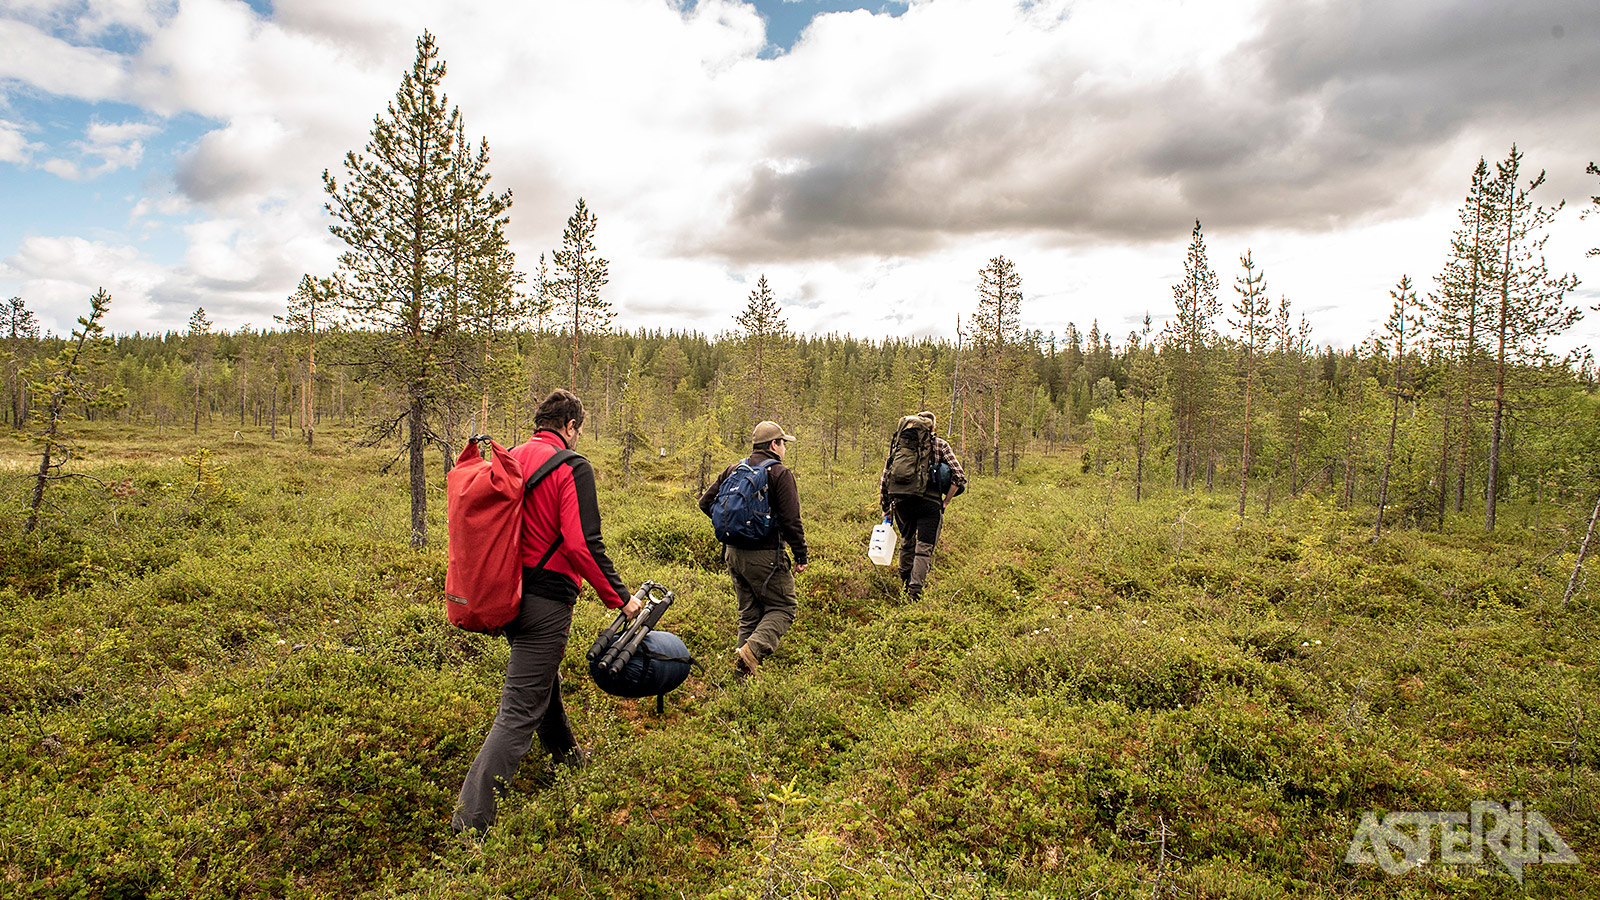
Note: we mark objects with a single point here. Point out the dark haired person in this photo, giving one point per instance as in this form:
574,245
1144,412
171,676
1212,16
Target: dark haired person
918,505
762,576
561,545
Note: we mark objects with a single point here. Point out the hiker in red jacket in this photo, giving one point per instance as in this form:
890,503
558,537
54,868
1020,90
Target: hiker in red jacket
561,545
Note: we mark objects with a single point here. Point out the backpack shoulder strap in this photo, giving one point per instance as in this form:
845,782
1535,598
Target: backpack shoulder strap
545,468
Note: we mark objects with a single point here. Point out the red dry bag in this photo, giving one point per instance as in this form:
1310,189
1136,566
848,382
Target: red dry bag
483,577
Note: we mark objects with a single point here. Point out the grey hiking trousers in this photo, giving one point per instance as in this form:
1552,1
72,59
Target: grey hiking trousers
530,703
763,580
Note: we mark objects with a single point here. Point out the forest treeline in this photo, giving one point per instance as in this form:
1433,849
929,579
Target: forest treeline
429,333
1153,409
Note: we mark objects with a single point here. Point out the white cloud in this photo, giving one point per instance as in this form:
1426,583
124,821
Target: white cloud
14,144
869,172
62,168
56,67
57,275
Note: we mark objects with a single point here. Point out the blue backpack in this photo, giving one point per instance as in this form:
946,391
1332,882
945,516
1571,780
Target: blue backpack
742,510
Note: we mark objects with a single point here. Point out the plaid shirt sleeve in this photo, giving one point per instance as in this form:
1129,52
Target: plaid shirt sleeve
958,475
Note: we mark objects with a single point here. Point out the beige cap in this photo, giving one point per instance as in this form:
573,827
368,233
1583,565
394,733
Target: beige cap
769,431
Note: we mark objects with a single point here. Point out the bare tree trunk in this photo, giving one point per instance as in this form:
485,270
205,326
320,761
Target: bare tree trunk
37,498
1138,465
1583,550
1244,451
419,476
994,436
1444,466
1388,461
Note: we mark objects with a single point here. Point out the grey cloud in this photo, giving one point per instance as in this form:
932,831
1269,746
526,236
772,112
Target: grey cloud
215,171
1335,114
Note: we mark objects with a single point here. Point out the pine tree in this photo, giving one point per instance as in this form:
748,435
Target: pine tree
1458,315
1594,209
581,274
1529,303
1143,384
1189,338
21,329
996,327
762,333
64,384
1402,321
308,310
1252,308
199,344
415,209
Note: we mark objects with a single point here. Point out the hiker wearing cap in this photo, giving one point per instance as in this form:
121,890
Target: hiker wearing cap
757,514
561,547
921,475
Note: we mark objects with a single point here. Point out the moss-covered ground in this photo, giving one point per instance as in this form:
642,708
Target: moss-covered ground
244,686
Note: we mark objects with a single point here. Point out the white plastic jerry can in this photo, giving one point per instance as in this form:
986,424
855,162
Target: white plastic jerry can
881,548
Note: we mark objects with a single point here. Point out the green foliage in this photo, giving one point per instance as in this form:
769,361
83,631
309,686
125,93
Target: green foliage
260,697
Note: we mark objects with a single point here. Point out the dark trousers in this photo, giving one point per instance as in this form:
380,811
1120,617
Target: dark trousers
764,583
918,520
530,704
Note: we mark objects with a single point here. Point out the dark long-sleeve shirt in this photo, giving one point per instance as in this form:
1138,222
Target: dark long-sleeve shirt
783,496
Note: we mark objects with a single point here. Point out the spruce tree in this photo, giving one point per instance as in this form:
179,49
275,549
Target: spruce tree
416,213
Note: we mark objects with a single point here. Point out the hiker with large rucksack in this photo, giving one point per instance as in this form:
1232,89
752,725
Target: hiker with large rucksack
920,476
754,507
557,544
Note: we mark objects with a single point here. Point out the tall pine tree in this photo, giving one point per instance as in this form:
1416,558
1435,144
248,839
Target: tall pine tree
1529,303
581,272
415,205
996,330
1189,340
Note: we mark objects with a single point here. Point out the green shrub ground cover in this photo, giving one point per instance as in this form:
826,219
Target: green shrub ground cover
248,689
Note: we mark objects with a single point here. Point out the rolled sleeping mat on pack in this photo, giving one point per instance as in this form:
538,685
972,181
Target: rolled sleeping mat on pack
659,665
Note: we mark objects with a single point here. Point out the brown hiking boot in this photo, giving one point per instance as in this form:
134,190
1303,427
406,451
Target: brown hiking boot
744,661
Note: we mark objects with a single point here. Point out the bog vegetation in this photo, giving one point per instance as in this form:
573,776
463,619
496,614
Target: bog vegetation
1216,591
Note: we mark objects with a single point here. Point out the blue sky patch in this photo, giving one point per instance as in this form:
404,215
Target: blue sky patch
787,19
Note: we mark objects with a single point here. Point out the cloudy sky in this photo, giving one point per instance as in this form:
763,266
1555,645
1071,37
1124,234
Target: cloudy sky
868,158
